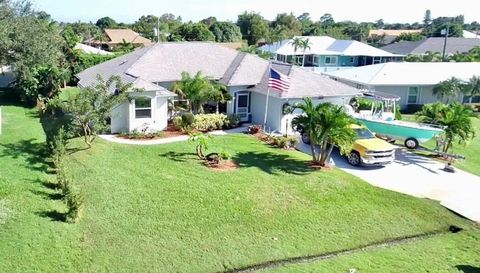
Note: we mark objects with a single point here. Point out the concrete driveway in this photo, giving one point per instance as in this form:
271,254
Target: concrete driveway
420,177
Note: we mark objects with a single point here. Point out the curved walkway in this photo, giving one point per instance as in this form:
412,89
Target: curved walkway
114,138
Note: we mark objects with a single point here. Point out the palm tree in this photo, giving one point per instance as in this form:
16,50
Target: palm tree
296,42
198,90
305,44
448,89
472,87
220,94
456,117
326,125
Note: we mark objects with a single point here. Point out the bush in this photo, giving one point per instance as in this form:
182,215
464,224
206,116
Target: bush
205,122
58,146
225,155
412,108
284,142
135,134
188,119
254,129
74,201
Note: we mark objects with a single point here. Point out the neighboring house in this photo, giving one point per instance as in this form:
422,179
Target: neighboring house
454,45
7,76
413,82
326,53
91,50
389,35
469,34
114,37
156,68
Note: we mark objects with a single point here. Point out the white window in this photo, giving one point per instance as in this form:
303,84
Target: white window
316,60
331,60
143,107
377,60
352,60
298,60
413,95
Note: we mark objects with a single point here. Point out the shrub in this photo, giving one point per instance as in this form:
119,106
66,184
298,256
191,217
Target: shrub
74,201
188,119
58,146
254,129
232,121
284,142
205,122
225,155
135,134
412,108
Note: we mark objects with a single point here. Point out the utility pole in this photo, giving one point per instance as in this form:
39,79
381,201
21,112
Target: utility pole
445,42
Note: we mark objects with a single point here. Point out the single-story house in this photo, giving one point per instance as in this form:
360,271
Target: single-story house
7,75
327,54
156,68
115,37
91,50
412,82
434,44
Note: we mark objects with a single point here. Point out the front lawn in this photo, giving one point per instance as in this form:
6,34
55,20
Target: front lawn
158,209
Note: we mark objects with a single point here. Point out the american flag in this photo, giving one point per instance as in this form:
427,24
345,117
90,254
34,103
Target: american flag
278,81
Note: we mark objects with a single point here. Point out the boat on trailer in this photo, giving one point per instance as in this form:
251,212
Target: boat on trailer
381,120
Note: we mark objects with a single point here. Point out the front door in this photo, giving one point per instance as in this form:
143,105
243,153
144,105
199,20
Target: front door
242,106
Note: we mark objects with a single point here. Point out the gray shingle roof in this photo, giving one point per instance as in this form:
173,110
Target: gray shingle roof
165,62
305,84
454,45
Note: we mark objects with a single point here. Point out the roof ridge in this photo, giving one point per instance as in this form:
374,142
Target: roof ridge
232,69
374,76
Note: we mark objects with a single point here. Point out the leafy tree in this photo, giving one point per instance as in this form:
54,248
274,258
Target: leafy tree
209,21
357,32
289,23
219,95
456,117
91,107
449,89
253,27
427,23
379,24
125,47
376,40
226,32
409,37
85,30
106,22
193,32
427,57
327,20
145,25
254,50
305,21
327,125
455,25
32,45
197,89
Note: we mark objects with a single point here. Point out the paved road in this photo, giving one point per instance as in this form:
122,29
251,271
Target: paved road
421,177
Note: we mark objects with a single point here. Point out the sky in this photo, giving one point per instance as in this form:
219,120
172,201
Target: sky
127,11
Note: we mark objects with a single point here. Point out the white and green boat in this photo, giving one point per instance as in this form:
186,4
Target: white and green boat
381,120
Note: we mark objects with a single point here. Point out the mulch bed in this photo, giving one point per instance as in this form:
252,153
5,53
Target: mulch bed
222,166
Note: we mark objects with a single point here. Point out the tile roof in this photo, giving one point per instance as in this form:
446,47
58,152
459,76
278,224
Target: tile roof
164,63
407,73
435,44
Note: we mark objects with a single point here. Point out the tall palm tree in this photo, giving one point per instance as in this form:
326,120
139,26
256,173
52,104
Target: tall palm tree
448,89
327,125
457,119
472,87
305,44
197,89
297,43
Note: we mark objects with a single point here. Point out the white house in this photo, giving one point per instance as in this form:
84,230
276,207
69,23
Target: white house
328,54
155,68
413,82
91,50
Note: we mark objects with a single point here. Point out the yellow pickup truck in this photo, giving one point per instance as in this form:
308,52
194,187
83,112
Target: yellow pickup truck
367,149
370,150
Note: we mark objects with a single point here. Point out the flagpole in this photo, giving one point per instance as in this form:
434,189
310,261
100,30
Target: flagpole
268,95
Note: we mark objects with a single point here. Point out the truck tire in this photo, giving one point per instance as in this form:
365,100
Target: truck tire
354,158
411,143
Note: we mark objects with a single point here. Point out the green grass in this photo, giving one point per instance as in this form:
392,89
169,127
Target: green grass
158,209
471,150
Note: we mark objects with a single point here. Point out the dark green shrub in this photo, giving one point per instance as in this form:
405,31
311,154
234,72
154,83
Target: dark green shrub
412,108
232,121
74,201
188,119
283,142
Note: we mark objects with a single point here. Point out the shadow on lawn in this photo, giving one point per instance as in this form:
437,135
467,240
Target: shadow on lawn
179,157
34,152
272,163
468,268
53,215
